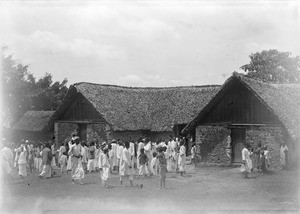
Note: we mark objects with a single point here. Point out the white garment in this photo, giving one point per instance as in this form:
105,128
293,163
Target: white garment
154,166
182,159
7,159
247,159
79,173
84,153
126,167
104,165
23,154
283,149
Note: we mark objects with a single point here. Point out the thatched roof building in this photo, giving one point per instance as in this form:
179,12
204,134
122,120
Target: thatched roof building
34,126
133,108
35,121
283,100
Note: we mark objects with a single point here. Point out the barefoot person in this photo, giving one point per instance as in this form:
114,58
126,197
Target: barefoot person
284,151
46,162
104,166
126,165
75,153
7,160
63,158
247,162
182,158
162,165
22,162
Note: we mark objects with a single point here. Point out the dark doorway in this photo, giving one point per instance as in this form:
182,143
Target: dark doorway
82,131
238,139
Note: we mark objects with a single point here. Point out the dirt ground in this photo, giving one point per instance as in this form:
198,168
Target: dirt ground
204,190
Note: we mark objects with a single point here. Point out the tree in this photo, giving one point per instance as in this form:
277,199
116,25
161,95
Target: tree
21,92
274,67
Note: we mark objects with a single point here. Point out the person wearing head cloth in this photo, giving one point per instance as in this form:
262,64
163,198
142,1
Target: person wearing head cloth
22,161
75,153
7,159
104,165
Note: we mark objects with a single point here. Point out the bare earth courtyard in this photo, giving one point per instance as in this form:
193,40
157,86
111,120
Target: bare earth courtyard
204,190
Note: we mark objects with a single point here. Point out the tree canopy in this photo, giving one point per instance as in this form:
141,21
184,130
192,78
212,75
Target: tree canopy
21,92
274,67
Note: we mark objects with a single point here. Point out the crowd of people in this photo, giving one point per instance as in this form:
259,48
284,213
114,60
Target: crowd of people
141,157
257,158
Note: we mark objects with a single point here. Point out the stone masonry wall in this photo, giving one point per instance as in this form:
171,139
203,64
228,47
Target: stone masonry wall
212,143
100,131
270,137
63,131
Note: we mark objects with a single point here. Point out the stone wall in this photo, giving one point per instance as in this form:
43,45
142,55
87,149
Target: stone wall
212,143
270,137
100,131
103,132
63,131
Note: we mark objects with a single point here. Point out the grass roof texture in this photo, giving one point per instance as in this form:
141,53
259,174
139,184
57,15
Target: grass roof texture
283,100
137,108
34,121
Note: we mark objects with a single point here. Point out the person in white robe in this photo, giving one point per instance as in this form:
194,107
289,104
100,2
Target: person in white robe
247,162
119,153
84,155
22,161
126,167
7,160
69,162
75,153
182,158
284,150
104,166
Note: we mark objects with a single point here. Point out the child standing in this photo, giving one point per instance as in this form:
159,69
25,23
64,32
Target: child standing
162,165
91,157
143,159
63,158
104,166
154,164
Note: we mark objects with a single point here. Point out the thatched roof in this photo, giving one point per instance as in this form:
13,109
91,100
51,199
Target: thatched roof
133,108
283,100
34,121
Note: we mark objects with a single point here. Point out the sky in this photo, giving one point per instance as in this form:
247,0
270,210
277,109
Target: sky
146,43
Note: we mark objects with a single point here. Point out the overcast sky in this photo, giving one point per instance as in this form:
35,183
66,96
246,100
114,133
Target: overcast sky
140,43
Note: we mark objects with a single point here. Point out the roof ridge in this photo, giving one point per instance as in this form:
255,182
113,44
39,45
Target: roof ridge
134,87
